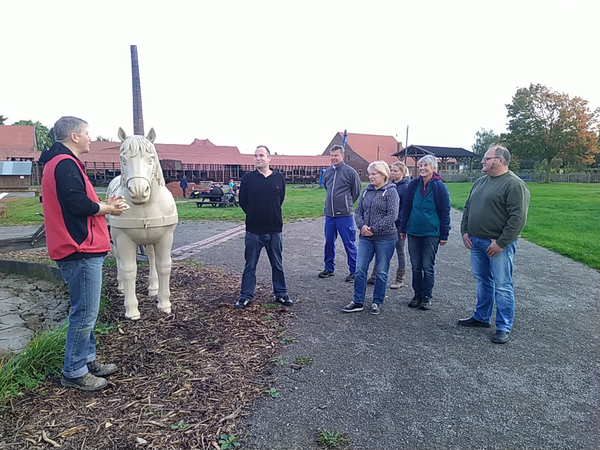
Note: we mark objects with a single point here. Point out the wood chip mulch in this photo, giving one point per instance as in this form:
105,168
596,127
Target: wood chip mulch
183,379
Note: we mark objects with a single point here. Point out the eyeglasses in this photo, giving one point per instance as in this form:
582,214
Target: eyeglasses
490,157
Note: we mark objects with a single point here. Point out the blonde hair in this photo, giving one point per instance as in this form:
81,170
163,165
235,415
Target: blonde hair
403,169
380,167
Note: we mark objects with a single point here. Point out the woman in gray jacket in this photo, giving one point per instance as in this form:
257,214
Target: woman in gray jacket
375,218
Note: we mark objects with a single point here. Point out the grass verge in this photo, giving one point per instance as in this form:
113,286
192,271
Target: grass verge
563,217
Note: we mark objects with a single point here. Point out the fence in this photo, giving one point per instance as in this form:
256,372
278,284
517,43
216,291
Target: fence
534,177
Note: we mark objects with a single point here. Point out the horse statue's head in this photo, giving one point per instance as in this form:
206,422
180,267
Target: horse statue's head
140,166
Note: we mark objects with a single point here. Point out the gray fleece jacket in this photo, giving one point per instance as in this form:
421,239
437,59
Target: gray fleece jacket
342,184
378,209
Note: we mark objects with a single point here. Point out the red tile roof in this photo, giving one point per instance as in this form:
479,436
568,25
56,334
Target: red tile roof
370,147
17,137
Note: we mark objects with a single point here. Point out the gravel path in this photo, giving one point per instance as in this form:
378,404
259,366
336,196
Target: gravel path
411,379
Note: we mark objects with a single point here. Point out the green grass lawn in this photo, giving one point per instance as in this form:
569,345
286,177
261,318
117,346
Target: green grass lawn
563,217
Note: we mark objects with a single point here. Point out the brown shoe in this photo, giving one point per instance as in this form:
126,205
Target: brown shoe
101,370
373,276
399,279
87,382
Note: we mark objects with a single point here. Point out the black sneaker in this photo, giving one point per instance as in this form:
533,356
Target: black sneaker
242,302
375,308
425,303
87,382
353,307
416,301
500,337
326,273
350,278
101,370
285,300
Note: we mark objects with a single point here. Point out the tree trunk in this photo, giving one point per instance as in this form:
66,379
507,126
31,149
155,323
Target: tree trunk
548,180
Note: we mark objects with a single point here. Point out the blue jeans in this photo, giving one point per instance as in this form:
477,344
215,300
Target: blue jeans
347,230
494,282
254,244
422,250
383,251
84,280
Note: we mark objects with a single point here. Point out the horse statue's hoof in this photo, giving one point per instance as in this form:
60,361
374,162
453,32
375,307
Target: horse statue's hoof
166,310
133,316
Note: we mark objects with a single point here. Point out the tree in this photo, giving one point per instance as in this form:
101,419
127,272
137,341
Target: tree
3,119
42,134
484,139
544,124
104,139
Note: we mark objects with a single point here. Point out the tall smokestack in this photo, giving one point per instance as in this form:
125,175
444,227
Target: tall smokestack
138,116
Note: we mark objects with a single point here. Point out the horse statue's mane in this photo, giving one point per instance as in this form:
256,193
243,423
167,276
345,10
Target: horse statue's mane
137,146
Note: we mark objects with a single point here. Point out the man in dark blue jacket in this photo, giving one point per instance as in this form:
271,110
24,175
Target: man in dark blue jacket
261,195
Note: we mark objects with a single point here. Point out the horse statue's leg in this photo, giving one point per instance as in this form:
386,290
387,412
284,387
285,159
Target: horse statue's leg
127,267
163,268
153,281
115,252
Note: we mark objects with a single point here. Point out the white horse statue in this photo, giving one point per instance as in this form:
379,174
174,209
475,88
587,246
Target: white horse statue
150,221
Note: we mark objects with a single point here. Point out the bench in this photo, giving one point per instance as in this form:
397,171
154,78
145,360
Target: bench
525,177
215,200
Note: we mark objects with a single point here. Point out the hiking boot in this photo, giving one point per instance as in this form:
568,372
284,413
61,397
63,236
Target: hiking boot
285,300
500,337
416,301
375,308
425,303
472,322
349,278
326,273
373,276
101,370
87,382
353,307
242,302
399,279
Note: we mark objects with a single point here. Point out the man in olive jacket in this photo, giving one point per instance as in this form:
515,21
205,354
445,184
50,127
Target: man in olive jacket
494,216
342,184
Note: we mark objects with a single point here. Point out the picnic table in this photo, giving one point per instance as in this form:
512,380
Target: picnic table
216,197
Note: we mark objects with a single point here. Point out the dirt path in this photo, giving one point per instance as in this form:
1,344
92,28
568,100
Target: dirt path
410,379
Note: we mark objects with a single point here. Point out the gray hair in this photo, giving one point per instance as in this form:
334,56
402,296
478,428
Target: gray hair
67,125
429,159
501,152
337,148
266,149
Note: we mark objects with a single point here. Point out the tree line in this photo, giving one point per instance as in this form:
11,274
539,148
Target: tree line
547,130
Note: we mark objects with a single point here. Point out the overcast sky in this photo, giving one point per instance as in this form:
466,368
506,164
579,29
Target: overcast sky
291,74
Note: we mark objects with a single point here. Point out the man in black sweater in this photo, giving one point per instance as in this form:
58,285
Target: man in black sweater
261,194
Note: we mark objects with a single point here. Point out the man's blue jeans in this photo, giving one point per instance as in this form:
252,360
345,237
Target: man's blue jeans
346,228
84,280
422,250
274,246
383,251
494,282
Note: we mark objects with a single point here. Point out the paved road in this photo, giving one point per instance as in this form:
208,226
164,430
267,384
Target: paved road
411,379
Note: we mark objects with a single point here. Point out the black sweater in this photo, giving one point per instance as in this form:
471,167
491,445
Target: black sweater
261,198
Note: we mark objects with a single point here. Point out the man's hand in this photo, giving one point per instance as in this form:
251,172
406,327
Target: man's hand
467,241
442,242
494,249
403,236
366,231
115,206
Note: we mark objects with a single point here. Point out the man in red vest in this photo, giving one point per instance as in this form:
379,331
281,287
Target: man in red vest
78,240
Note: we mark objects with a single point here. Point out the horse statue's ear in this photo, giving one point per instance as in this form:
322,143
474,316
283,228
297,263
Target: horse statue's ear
122,134
151,135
